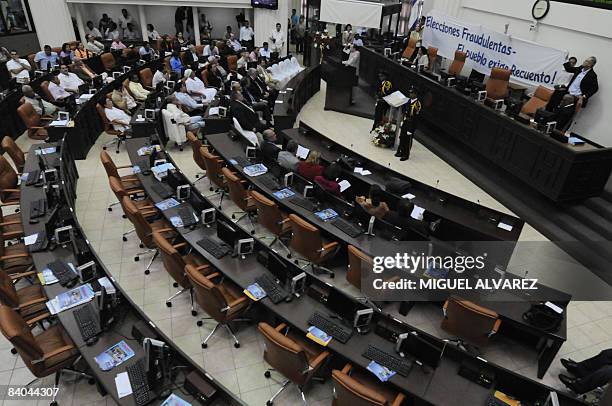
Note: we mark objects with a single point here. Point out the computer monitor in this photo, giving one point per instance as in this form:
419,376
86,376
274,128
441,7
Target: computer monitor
51,222
226,233
197,203
277,267
63,116
288,179
552,399
183,192
149,114
341,304
156,368
423,351
171,85
251,152
481,96
105,304
208,216
126,69
174,179
50,175
64,235
116,75
298,284
245,246
87,272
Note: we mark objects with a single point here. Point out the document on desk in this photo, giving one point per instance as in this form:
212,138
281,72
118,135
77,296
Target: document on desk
408,196
30,239
122,382
213,111
504,226
344,184
361,171
302,152
396,99
417,212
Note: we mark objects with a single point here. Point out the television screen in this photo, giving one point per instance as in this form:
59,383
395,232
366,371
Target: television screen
271,4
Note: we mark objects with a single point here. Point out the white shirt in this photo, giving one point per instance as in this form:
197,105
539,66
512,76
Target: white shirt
119,115
157,78
24,75
123,21
95,46
264,53
94,31
279,41
70,81
353,60
358,42
236,45
208,51
574,89
38,104
153,35
196,87
57,92
179,115
246,33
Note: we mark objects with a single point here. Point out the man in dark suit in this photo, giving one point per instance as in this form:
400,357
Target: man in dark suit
191,59
260,90
269,149
584,82
246,116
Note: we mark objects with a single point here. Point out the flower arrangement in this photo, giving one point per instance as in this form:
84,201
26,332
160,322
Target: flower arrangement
384,135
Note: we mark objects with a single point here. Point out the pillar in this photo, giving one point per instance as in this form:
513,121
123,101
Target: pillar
53,31
79,19
142,19
196,25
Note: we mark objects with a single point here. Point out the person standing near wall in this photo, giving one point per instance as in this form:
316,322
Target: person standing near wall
277,38
179,16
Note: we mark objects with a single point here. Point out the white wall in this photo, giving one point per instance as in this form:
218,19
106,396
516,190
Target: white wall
583,31
265,21
53,31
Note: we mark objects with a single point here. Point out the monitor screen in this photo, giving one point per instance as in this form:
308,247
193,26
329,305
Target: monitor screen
271,4
208,216
277,267
424,352
63,235
226,233
341,304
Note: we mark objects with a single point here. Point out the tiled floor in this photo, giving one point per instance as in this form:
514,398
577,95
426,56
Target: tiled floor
241,370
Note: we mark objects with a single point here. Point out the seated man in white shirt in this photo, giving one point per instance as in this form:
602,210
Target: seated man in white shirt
160,76
146,52
92,30
185,100
41,106
191,123
69,81
196,88
211,49
264,51
19,68
234,43
137,90
130,33
243,60
119,119
93,45
59,94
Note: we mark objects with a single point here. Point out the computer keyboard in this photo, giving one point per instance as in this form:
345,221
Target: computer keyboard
273,289
241,161
217,250
164,191
268,181
302,202
138,381
38,208
401,366
346,227
186,215
87,321
63,272
33,177
321,322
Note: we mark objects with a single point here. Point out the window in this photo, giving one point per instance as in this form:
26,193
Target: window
15,17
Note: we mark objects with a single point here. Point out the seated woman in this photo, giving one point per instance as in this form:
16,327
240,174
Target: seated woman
329,180
179,42
176,65
310,168
374,205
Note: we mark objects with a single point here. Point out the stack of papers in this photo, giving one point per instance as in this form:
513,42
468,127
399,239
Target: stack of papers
255,292
114,356
408,196
148,149
504,226
283,193
344,184
166,204
124,387
362,171
30,239
213,111
381,372
161,171
302,152
70,299
255,170
417,212
396,99
59,123
318,336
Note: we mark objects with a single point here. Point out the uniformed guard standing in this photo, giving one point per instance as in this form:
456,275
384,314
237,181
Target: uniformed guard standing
385,88
412,109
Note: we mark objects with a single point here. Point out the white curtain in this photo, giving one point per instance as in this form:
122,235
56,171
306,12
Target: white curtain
354,12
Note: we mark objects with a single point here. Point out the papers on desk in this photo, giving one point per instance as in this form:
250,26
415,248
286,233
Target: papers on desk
47,277
213,111
45,151
362,171
255,292
140,119
114,356
504,226
575,141
174,400
417,212
326,214
70,299
283,193
318,336
408,196
289,89
147,150
344,184
396,99
381,372
554,307
166,204
282,92
107,285
255,170
85,96
59,123
302,152
278,101
160,171
122,382
30,239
